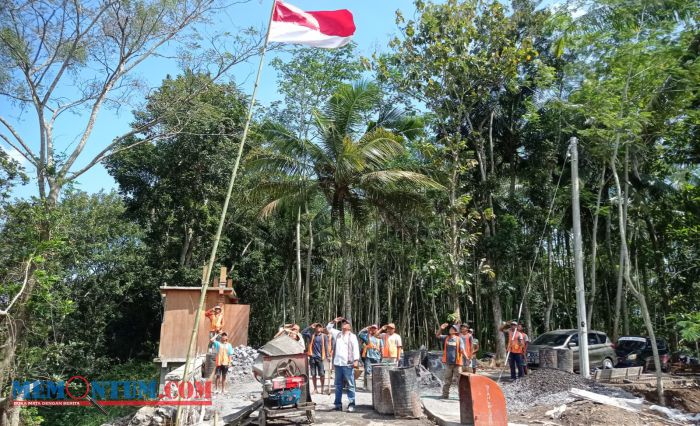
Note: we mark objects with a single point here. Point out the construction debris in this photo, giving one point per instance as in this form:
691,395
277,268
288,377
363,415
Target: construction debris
555,413
427,379
676,415
629,404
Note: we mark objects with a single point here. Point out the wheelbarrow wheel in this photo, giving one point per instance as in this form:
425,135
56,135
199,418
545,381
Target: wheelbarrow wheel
310,416
262,418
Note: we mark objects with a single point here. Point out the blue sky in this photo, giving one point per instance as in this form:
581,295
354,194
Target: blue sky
375,22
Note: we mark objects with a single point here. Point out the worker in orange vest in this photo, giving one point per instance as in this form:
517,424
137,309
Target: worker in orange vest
318,349
391,344
517,341
216,322
224,356
468,344
452,353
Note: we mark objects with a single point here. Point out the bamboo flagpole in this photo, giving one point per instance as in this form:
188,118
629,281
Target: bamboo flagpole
206,276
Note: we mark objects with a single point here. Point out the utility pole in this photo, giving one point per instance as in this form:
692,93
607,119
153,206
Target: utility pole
584,366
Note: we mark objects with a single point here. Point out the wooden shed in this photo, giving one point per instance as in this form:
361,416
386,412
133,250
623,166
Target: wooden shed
179,309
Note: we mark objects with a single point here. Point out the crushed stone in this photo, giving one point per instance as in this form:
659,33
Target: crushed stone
241,369
547,386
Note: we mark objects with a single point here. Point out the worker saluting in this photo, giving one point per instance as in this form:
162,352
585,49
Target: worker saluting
391,344
453,351
517,341
216,320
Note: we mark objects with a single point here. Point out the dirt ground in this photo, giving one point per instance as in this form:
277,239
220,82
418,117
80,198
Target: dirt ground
682,398
588,413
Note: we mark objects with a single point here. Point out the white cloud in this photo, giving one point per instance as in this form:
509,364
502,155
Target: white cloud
15,155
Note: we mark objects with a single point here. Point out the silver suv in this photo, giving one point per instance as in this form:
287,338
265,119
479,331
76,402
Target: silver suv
600,349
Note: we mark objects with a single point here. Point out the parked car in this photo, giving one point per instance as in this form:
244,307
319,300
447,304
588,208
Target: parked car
635,351
600,349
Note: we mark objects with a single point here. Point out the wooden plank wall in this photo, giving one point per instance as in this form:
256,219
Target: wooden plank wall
180,308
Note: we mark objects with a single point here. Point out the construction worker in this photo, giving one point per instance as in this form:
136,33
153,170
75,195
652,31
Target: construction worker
216,323
224,356
516,348
216,320
527,342
346,357
391,344
452,353
467,343
372,345
294,332
475,349
319,348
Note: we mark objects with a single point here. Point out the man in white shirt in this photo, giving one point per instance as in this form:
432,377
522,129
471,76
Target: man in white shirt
346,356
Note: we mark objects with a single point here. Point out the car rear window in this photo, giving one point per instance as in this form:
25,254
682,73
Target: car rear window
551,339
602,337
592,339
630,345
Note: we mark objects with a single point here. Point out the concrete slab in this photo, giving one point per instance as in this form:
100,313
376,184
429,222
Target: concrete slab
444,412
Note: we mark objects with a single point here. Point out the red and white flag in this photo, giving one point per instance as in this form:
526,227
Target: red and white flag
328,28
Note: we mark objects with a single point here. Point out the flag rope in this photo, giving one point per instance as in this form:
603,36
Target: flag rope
206,276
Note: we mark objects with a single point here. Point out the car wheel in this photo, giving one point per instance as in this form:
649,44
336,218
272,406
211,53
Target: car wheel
607,364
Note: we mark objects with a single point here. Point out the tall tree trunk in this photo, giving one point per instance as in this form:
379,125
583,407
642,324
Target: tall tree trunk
376,273
307,290
347,297
454,237
631,285
594,248
550,287
297,305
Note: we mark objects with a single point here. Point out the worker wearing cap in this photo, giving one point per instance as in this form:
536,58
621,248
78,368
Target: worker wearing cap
371,352
224,357
452,353
319,348
216,322
517,341
468,344
391,344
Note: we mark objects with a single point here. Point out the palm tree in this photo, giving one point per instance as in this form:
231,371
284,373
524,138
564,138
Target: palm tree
352,165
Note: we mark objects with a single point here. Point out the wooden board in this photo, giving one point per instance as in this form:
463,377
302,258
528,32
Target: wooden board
178,319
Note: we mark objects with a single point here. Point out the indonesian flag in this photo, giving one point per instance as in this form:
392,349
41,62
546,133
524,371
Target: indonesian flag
328,28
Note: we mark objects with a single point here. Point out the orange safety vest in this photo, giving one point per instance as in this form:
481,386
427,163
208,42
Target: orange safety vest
468,348
458,359
385,347
222,358
217,321
310,351
516,343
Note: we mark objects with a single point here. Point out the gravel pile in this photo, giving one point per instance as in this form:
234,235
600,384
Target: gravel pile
241,369
544,386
